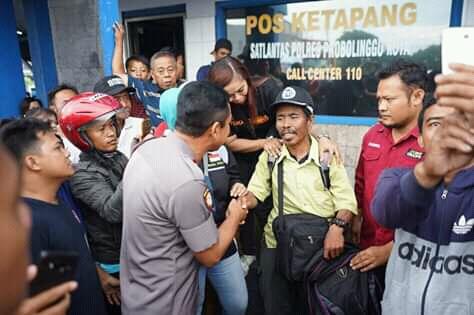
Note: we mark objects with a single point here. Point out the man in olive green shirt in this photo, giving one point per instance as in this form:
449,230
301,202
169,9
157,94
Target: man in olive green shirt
304,192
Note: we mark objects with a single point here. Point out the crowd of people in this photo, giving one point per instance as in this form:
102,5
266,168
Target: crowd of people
163,187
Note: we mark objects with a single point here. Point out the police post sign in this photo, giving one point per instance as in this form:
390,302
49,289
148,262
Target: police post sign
334,48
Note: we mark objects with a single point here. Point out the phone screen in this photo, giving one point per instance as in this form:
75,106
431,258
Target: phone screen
457,47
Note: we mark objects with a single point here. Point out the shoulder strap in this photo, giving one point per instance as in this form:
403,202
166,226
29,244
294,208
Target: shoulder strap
280,187
205,163
324,171
224,154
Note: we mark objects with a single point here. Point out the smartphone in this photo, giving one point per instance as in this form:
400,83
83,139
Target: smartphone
54,268
457,47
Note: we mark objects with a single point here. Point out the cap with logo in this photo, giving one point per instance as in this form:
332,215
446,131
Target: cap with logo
112,85
294,95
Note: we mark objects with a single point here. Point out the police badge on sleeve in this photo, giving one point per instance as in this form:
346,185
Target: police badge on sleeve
208,200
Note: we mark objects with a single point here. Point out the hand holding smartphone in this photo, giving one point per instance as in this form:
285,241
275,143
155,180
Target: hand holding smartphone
53,299
54,268
457,90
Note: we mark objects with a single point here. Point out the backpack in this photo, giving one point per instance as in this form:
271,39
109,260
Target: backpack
334,288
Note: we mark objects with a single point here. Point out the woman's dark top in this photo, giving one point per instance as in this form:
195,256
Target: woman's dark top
262,127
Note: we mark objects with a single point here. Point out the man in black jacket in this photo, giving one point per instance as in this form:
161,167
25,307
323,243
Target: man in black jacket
91,123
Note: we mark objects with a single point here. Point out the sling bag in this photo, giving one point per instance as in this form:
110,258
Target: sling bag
300,238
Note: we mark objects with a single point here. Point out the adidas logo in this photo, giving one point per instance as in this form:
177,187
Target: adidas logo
463,226
420,257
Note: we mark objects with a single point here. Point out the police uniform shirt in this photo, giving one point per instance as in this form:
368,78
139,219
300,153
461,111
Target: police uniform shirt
167,217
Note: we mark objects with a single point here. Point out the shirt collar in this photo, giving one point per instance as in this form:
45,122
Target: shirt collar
181,145
313,153
415,133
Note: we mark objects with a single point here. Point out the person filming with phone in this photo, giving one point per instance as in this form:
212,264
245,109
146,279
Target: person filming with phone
431,266
44,165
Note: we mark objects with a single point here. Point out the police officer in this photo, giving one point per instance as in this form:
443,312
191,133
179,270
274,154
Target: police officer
168,225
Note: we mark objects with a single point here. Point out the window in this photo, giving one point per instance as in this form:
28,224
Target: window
334,48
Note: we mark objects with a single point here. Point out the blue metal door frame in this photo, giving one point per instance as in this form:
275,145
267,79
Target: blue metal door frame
40,42
12,85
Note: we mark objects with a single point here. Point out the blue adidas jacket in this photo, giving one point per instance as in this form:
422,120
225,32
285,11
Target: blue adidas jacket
431,267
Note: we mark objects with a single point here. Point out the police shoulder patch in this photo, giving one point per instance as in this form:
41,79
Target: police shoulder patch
208,200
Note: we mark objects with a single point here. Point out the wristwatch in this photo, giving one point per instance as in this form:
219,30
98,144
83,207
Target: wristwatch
340,223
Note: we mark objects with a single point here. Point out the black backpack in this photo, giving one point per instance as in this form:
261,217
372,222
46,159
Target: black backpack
334,288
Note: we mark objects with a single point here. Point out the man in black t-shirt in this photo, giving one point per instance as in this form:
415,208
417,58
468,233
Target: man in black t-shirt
45,165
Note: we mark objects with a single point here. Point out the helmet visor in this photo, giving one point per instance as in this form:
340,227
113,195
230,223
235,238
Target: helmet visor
100,120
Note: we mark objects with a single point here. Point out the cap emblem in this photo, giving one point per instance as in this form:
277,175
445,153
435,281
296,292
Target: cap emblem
288,93
115,81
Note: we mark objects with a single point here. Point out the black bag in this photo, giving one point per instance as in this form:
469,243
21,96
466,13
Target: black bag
300,238
334,288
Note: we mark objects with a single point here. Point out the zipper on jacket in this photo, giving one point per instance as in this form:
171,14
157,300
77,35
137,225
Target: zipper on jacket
444,195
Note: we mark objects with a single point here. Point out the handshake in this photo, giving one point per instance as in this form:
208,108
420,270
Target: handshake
240,203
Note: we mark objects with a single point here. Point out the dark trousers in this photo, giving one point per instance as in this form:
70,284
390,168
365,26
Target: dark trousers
280,296
248,236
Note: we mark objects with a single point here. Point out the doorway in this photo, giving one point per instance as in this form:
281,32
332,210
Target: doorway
150,34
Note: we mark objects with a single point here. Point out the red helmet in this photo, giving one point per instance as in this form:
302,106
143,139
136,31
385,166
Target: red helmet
83,109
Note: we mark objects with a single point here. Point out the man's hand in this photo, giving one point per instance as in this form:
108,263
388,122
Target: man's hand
238,190
273,146
119,32
328,146
356,228
54,301
110,286
371,257
450,149
237,209
333,242
249,200
117,57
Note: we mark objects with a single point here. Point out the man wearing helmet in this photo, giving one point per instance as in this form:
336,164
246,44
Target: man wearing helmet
89,122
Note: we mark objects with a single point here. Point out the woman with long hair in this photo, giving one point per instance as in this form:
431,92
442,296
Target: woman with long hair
252,131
